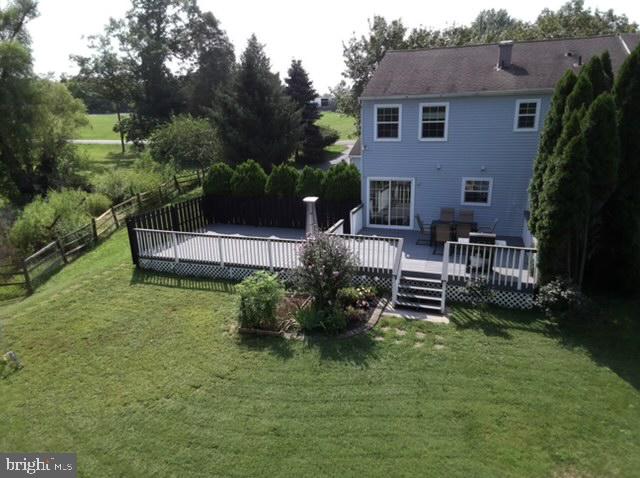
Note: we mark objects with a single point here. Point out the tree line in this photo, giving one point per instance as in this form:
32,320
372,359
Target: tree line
165,59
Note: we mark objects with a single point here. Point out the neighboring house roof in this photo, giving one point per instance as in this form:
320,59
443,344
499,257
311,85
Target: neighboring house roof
535,65
356,150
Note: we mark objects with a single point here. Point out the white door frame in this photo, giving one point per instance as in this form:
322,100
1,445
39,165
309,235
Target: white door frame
411,209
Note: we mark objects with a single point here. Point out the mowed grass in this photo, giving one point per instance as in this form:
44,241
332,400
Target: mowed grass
143,375
343,124
102,158
100,127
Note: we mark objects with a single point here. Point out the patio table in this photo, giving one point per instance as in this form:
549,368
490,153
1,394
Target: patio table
474,228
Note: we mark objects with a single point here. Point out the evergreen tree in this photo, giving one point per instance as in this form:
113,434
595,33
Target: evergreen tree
608,68
300,89
622,212
596,73
255,119
565,202
581,95
550,134
600,132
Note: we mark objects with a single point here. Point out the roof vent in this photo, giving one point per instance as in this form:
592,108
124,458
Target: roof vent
504,60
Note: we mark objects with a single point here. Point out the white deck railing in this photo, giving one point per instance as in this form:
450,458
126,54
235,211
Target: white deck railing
356,219
223,250
497,266
375,255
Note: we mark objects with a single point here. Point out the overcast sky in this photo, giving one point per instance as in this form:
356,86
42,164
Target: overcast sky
310,31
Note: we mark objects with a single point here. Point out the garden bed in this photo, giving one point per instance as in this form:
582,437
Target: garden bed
363,319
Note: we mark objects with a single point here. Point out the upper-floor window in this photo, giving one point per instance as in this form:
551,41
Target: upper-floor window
527,114
433,121
387,122
476,191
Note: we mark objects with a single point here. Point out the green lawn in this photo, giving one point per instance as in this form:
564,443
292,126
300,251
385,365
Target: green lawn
143,375
101,158
100,127
343,124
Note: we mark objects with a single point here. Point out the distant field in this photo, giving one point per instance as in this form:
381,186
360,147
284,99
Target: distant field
102,158
100,127
343,124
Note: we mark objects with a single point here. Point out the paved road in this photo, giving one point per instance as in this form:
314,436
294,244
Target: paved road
97,141
343,157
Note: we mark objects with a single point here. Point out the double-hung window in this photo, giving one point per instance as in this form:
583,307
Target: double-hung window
387,122
527,114
433,121
476,191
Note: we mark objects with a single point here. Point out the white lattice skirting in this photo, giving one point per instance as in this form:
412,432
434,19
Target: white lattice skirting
236,274
509,299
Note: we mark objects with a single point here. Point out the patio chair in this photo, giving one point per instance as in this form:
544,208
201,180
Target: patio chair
463,229
447,214
489,229
424,234
442,235
465,215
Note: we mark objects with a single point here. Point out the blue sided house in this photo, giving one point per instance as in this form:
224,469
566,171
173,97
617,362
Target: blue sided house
459,128
447,144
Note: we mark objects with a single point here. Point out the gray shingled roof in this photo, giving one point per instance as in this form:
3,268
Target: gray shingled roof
536,65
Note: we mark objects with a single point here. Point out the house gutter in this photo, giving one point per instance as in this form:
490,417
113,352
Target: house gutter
541,91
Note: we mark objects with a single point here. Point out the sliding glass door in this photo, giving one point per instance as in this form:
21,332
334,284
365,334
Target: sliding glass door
390,202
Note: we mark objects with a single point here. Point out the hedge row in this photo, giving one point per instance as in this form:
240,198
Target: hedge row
340,183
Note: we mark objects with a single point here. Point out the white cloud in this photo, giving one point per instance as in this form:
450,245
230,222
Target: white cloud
310,31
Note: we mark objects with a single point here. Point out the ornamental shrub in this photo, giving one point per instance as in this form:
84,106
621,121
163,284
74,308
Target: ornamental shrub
282,181
218,180
310,182
561,299
342,183
248,180
326,266
260,294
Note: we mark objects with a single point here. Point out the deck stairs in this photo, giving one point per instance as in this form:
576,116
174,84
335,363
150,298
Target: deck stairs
420,291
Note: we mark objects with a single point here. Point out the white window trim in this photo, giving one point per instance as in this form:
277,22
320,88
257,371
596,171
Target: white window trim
481,204
516,116
446,122
375,122
412,211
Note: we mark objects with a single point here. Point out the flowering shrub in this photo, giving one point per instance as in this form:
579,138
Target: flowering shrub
326,266
561,298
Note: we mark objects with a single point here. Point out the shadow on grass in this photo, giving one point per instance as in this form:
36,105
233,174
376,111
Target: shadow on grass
277,346
162,279
611,337
358,350
496,322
